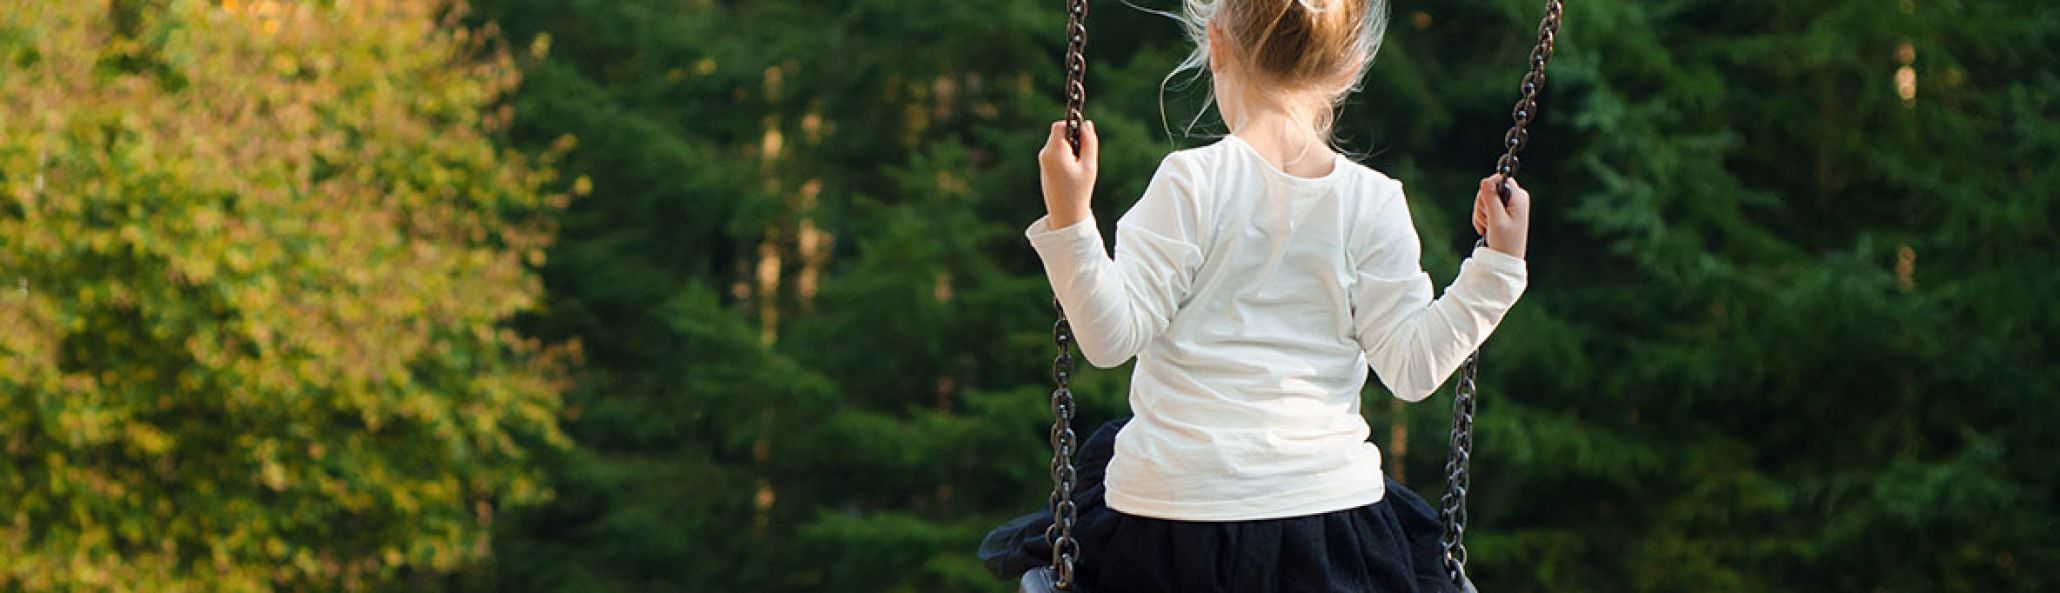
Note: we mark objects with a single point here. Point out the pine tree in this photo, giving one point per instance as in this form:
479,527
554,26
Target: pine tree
1731,371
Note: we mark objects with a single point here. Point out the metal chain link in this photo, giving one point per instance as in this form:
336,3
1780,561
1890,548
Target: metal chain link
1076,70
1064,549
1452,511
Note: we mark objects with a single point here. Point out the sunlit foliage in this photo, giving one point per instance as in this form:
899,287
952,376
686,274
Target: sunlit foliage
257,259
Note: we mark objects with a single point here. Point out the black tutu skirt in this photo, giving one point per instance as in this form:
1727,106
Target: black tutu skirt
1389,546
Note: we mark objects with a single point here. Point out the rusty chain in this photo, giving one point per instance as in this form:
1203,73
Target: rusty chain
1452,511
1065,550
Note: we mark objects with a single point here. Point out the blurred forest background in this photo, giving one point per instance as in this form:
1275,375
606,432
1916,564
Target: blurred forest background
697,295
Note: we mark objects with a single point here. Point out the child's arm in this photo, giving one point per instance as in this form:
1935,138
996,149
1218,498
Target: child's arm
1413,342
1116,306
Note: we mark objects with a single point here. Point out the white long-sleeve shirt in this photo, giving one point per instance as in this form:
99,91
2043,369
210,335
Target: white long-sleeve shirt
1254,302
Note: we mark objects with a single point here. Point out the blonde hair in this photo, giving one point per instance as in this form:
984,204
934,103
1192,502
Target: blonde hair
1305,55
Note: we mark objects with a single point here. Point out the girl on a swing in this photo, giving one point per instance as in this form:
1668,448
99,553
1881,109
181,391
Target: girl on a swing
1255,282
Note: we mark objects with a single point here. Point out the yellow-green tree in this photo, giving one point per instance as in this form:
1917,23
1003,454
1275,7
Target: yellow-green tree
258,257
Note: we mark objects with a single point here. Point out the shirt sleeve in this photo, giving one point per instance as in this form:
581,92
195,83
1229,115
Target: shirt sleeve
1413,342
1117,306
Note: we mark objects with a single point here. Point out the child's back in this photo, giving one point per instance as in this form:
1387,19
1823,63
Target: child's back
1254,301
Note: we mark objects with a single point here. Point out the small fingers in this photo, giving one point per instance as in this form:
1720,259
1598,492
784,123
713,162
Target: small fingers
1090,143
1051,144
1489,201
1519,201
1502,186
1483,212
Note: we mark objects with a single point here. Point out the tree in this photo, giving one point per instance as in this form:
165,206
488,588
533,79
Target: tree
259,256
740,405
1732,372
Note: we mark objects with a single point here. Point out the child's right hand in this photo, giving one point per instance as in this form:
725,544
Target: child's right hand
1068,178
1506,227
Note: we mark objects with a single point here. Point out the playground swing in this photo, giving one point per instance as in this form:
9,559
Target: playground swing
1058,576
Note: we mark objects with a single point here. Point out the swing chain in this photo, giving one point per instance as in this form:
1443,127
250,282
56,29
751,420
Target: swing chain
1076,70
1452,510
1526,107
1064,549
1460,452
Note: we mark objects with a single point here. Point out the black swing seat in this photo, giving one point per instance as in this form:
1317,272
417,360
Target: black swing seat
1040,580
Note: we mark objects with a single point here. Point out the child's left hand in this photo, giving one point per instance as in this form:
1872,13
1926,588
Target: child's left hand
1507,227
1068,179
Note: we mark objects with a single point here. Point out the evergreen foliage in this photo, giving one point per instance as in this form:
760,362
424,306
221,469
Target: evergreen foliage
1786,329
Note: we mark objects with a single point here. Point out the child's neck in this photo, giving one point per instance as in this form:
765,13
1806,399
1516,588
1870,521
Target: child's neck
1277,138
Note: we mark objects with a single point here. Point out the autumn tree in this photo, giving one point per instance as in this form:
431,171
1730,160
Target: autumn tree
258,259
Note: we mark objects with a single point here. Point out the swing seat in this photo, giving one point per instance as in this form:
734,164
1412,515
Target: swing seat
1039,580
